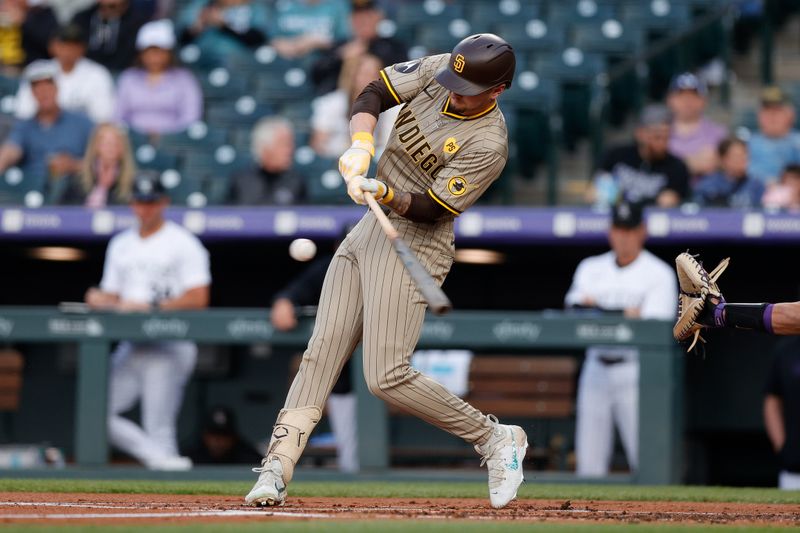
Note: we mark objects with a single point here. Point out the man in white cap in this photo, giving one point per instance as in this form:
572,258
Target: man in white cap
83,85
52,143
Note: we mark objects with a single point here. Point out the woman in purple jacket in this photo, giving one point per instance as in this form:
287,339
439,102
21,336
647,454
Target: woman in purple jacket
157,97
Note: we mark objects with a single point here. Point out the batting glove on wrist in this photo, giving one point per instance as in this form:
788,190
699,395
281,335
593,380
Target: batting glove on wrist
358,186
355,161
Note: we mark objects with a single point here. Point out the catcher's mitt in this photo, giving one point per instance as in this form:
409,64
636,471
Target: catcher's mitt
696,286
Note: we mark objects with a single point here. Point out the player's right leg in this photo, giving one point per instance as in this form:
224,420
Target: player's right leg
337,331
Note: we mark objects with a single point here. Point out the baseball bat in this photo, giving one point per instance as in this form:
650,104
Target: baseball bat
437,300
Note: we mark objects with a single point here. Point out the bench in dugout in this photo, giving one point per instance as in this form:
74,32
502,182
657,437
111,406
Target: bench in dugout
531,390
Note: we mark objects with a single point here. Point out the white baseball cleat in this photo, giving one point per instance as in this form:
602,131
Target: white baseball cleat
270,488
503,454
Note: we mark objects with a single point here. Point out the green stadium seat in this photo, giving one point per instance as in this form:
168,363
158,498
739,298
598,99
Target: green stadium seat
277,87
324,184
218,164
664,15
437,38
485,15
413,13
198,137
576,72
14,187
8,85
183,189
532,36
150,158
569,12
222,84
244,111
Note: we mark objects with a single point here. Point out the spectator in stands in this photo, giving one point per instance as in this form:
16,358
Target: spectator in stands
111,27
156,265
694,137
627,281
154,9
83,85
730,186
644,172
50,144
221,442
785,194
107,170
271,180
25,30
776,144
304,26
66,10
158,97
365,19
782,413
223,28
330,119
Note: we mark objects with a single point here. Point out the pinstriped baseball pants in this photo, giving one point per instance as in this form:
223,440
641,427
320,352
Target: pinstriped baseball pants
369,297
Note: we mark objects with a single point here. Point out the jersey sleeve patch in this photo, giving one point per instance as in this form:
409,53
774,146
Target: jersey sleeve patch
408,66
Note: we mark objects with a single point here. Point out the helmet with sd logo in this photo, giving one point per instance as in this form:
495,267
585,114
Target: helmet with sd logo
477,64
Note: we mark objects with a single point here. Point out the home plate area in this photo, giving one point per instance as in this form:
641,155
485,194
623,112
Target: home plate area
66,508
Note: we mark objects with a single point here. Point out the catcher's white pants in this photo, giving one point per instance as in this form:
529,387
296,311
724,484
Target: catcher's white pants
155,374
789,481
342,417
607,395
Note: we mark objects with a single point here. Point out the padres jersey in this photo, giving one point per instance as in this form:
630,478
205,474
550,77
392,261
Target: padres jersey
433,150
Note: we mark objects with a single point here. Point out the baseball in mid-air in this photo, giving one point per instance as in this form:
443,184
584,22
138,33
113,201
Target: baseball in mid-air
302,249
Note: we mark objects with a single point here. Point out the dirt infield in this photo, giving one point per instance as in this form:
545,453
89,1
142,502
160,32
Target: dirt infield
52,508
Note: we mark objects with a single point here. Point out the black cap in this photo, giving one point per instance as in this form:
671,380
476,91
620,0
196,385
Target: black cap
220,420
477,64
363,5
71,33
147,187
626,215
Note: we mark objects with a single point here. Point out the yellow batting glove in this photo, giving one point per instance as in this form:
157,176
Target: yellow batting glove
358,186
355,161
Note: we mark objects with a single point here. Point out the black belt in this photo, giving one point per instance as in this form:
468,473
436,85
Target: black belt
608,361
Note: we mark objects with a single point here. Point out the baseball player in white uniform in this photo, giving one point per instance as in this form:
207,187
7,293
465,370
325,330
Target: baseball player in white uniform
628,280
155,266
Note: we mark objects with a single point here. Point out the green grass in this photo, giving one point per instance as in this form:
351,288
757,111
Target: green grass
398,526
414,490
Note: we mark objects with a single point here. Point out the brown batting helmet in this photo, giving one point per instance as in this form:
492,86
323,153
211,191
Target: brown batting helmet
477,64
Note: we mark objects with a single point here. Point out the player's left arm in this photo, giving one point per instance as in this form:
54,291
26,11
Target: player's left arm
194,298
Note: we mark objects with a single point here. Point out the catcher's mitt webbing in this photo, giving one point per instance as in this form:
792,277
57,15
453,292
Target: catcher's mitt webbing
696,285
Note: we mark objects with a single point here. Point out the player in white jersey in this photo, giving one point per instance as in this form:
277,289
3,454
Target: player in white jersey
631,281
155,266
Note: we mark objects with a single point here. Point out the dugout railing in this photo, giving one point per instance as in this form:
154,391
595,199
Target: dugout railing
661,374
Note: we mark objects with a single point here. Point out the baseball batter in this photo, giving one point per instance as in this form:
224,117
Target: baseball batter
448,144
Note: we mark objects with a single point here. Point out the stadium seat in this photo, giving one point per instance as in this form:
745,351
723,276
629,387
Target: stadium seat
15,188
438,38
222,84
277,87
198,137
576,72
532,36
324,184
412,13
219,163
149,157
664,15
485,15
244,111
569,12
183,189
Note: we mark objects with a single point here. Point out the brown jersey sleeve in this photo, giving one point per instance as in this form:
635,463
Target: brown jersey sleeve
407,80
